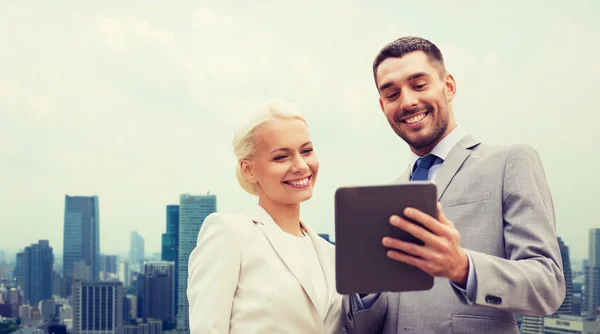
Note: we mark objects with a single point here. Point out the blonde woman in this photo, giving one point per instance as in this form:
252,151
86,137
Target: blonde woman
266,271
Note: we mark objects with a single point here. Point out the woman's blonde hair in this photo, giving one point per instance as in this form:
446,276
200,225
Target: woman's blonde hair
245,138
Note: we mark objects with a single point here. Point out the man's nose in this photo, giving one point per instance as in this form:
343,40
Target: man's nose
408,100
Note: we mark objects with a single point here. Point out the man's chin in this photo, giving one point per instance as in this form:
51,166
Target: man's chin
417,139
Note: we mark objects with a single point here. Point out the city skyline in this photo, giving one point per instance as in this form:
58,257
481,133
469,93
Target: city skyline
125,253
137,103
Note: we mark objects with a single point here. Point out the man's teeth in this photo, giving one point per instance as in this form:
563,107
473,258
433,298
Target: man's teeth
416,118
299,183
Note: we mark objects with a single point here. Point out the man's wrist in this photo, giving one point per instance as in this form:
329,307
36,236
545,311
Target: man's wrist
462,272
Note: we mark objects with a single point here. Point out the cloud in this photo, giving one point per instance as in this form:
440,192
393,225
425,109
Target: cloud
15,99
125,33
138,103
208,20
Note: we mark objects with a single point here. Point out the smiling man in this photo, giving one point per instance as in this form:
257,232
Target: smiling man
493,248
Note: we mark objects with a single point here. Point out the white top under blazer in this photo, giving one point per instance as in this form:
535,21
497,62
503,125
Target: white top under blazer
246,275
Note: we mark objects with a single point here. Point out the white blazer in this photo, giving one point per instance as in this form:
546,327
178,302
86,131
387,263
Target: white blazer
243,279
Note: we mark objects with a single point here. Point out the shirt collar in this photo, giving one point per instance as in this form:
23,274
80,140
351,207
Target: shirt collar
443,148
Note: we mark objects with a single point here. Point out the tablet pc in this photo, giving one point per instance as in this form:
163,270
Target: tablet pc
362,219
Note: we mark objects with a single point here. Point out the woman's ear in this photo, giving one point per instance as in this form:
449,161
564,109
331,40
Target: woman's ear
247,169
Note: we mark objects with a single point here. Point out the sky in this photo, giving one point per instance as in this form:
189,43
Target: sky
135,102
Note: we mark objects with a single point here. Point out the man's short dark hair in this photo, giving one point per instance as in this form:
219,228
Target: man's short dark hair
407,44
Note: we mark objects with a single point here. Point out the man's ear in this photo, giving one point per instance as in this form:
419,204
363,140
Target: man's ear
247,170
450,85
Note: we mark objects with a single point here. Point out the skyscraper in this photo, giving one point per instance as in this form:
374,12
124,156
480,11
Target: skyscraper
170,239
124,273
592,272
97,307
136,252
170,244
193,210
110,263
20,270
566,306
159,291
38,260
81,236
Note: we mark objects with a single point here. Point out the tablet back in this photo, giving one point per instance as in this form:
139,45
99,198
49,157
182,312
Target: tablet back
362,219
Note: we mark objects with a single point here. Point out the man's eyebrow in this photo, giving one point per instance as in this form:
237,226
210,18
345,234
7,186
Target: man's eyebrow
385,85
410,77
417,75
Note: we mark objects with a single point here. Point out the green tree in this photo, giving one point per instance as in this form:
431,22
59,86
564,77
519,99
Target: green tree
7,327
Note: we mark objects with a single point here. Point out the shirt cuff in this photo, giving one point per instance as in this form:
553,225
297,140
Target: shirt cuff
469,293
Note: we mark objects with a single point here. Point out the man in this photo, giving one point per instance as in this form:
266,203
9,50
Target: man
493,249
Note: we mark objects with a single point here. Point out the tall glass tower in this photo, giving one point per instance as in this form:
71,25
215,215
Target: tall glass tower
567,306
38,274
193,209
81,240
136,253
170,244
592,273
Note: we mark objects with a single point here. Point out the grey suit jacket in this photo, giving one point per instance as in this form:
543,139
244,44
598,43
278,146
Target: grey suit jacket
498,199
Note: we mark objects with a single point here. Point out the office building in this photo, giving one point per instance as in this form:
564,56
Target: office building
81,240
592,273
170,243
97,307
136,253
193,209
37,261
566,307
159,293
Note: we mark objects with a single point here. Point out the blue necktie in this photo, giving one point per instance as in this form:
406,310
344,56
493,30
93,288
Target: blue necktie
422,171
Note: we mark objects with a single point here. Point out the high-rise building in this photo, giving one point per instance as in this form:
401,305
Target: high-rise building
81,236
55,328
592,273
170,239
109,264
58,284
65,312
82,271
138,285
566,307
193,209
97,307
170,244
20,270
136,252
37,261
159,301
124,274
569,324
47,309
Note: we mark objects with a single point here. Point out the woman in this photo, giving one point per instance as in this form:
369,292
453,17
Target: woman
266,271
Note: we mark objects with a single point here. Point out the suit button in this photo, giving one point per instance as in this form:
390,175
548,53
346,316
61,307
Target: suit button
495,300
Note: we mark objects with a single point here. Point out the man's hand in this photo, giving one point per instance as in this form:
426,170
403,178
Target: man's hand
441,256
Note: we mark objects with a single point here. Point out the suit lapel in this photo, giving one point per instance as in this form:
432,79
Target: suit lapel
273,232
457,156
405,177
455,159
327,264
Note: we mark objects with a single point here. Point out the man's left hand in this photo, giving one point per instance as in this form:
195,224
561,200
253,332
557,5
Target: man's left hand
440,256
